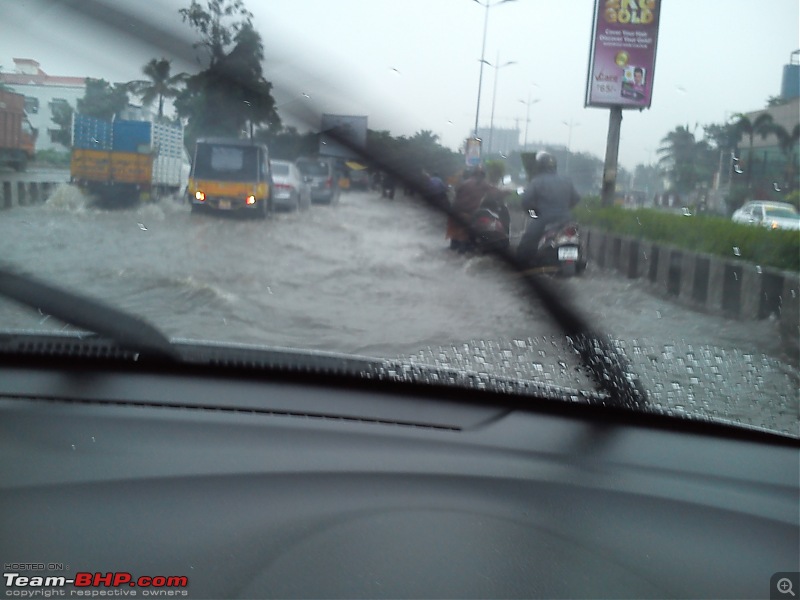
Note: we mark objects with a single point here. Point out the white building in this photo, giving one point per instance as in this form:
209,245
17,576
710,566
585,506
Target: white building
42,92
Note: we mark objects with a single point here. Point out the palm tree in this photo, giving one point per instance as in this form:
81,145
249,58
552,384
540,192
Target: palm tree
762,125
787,142
686,161
159,85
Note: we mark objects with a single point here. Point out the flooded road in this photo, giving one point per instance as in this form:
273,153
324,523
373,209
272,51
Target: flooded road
374,277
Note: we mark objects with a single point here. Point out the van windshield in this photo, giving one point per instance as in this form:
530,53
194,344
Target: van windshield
314,168
226,163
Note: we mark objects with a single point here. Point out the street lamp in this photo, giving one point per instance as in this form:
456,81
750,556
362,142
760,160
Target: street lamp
527,117
570,124
497,66
487,5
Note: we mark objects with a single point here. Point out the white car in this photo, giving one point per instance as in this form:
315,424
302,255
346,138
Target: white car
289,189
773,215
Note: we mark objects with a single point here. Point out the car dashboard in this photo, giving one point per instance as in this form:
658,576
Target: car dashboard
279,486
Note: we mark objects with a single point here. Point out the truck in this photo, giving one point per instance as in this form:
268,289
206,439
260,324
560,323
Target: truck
124,160
17,137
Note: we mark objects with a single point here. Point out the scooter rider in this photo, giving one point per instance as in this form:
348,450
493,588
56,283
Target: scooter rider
551,196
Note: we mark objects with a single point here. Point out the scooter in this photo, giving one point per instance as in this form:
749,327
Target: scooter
387,188
560,249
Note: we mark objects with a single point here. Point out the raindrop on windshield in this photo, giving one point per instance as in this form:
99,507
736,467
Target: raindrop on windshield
737,251
142,227
775,186
758,269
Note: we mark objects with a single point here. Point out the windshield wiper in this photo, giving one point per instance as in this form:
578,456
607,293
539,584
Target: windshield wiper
128,331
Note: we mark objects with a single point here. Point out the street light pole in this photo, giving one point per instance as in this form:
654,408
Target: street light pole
527,118
569,141
487,5
497,66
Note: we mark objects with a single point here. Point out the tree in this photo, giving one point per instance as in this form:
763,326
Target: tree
231,92
788,142
62,116
159,85
762,125
288,143
685,161
103,100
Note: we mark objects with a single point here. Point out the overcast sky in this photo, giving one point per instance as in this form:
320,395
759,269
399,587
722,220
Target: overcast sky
413,64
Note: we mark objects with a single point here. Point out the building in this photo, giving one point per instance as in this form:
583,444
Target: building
498,140
42,92
774,166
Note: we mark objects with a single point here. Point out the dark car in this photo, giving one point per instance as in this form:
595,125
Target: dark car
321,176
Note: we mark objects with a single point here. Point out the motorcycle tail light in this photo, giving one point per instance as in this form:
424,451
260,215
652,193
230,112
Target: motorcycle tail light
570,231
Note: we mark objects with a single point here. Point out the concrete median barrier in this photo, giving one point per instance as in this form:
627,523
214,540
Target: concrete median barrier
731,288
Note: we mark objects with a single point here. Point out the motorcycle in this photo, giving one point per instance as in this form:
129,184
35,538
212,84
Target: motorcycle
388,186
560,249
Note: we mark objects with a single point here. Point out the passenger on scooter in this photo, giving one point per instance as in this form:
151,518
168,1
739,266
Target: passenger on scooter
551,196
467,200
437,190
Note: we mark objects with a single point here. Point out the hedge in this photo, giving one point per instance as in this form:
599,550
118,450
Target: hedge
704,234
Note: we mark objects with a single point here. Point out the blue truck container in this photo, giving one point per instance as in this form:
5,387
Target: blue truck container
91,133
131,136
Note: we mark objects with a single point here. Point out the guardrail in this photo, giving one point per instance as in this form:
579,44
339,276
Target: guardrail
729,287
29,187
23,193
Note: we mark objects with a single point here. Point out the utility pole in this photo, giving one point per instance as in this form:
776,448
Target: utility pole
612,152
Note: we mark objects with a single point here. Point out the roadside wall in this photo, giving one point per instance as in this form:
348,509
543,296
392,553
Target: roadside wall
22,189
732,288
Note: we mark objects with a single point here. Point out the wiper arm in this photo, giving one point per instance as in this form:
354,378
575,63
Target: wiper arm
130,332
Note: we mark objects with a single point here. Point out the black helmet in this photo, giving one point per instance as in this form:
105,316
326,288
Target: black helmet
545,163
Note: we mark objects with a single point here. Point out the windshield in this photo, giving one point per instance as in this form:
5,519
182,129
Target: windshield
279,168
447,105
315,168
784,213
225,163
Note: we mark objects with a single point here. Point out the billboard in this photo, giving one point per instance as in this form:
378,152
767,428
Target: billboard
473,152
343,136
622,57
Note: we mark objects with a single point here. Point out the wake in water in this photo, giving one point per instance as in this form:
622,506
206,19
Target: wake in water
68,198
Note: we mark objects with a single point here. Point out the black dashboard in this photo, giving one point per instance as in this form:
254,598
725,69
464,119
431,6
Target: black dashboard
282,488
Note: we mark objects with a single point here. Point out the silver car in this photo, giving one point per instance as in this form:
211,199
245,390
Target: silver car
322,178
290,191
773,215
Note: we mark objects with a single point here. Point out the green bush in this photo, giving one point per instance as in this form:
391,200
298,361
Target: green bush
53,157
706,234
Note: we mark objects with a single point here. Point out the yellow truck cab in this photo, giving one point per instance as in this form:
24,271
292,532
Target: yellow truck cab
229,174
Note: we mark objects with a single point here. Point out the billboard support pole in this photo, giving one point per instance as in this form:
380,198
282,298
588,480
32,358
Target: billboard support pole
612,153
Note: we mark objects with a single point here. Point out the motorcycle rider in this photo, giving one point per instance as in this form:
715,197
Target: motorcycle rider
551,196
469,196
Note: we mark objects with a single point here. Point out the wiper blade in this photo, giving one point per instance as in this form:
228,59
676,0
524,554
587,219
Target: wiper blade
128,331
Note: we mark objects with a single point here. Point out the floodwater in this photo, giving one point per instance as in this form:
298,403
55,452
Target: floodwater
374,277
